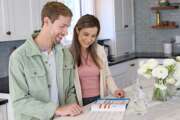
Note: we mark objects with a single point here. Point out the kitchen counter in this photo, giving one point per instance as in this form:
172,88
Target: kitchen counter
3,101
132,56
4,85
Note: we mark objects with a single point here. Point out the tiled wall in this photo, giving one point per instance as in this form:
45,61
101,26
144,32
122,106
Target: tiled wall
148,39
5,49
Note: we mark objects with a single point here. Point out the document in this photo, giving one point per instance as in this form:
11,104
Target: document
110,104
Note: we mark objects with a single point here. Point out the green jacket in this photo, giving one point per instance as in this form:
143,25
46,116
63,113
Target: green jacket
28,82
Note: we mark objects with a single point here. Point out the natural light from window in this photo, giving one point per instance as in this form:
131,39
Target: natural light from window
74,5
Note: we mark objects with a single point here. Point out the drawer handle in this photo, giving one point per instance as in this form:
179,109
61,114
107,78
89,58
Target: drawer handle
8,32
132,64
126,26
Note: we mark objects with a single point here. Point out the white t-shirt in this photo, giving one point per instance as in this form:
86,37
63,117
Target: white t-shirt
53,89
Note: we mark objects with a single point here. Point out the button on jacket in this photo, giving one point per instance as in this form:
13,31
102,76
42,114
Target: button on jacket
29,84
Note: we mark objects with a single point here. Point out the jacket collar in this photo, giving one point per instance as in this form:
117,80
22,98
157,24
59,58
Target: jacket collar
34,49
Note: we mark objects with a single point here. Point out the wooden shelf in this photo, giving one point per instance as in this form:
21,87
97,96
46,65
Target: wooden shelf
164,24
165,27
164,7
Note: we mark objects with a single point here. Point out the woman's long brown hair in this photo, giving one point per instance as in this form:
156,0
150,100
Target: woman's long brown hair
86,21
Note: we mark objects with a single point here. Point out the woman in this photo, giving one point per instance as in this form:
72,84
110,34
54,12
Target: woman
93,78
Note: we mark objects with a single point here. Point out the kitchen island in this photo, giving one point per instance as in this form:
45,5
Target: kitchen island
3,109
138,110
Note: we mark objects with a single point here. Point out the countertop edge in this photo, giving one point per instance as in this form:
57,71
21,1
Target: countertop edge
133,56
3,101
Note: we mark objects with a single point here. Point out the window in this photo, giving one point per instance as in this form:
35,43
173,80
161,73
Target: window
74,5
78,7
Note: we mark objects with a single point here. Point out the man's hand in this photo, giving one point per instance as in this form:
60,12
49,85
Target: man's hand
68,110
119,93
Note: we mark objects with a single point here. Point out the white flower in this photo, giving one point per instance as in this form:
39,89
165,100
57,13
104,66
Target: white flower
169,62
152,63
160,72
145,71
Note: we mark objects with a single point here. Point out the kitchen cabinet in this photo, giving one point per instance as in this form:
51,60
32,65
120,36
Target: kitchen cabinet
124,73
19,18
117,24
9,108
3,111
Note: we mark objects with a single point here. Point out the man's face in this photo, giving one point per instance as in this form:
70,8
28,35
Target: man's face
59,28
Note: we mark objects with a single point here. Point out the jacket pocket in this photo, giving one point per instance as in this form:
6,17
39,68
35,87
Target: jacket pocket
37,81
36,73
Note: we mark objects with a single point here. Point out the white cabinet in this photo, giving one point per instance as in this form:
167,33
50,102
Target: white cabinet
124,27
4,20
9,106
117,23
124,14
3,112
125,42
19,18
124,73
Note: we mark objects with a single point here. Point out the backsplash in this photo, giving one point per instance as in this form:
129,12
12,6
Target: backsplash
5,50
148,39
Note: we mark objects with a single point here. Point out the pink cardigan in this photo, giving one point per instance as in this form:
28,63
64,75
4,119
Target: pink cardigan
106,80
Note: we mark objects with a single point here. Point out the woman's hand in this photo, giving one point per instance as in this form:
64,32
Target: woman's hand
69,110
119,93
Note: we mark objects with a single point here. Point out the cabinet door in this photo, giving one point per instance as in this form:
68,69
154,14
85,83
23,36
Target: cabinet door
124,73
3,112
125,42
4,20
36,7
132,72
119,73
35,13
20,19
124,27
128,14
124,14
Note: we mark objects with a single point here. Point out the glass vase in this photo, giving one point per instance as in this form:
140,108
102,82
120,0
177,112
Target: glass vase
171,89
160,91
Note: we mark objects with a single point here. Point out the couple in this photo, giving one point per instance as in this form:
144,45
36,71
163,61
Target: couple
43,80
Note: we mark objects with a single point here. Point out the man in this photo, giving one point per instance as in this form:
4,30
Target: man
41,71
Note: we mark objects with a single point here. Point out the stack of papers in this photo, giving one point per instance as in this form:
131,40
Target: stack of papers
112,104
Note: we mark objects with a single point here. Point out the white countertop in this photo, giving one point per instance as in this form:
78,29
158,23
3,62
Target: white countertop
151,110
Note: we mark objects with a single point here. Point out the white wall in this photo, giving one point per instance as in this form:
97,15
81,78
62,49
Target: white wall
105,12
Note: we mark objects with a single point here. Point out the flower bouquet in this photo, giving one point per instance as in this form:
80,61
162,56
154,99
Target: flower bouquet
163,75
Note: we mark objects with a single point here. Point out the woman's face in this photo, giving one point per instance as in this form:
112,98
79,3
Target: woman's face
87,36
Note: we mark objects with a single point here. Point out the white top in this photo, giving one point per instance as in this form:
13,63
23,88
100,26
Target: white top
53,89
